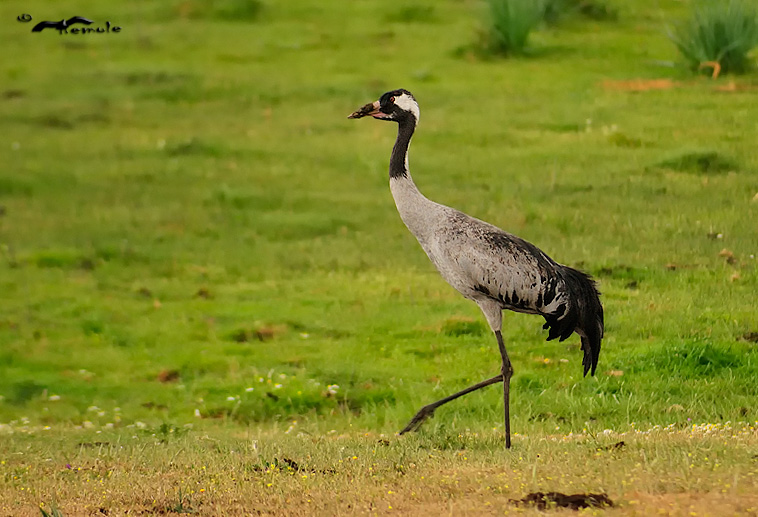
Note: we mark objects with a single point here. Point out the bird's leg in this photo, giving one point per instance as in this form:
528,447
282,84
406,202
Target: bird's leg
507,370
428,410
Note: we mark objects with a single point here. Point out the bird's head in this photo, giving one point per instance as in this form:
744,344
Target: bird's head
398,105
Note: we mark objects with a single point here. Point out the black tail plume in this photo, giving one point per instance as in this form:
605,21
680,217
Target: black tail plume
585,316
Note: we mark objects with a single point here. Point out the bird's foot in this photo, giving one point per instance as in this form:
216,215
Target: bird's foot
424,413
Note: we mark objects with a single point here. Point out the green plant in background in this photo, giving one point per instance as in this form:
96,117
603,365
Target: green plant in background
718,35
511,21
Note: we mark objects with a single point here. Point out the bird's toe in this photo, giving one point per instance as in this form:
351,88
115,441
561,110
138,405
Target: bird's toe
424,413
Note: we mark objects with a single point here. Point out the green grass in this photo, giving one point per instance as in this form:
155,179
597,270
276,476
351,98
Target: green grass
556,10
186,214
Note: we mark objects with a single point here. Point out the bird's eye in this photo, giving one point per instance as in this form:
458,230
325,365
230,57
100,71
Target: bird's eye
392,99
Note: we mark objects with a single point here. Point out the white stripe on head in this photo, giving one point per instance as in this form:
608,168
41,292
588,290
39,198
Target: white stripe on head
408,103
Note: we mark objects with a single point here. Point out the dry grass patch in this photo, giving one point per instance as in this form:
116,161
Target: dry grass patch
709,470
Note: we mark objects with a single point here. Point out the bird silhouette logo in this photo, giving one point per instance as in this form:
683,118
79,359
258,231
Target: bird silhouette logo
61,25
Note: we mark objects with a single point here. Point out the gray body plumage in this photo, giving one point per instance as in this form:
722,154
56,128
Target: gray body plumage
497,270
482,262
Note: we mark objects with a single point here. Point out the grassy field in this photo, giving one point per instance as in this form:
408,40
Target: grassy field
203,273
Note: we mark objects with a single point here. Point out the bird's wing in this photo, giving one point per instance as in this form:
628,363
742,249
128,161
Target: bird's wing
503,266
78,19
484,262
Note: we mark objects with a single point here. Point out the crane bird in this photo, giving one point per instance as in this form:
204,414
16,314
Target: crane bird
485,264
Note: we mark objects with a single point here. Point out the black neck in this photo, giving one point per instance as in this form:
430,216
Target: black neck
405,130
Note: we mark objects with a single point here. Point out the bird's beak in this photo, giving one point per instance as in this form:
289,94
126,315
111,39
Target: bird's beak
370,109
